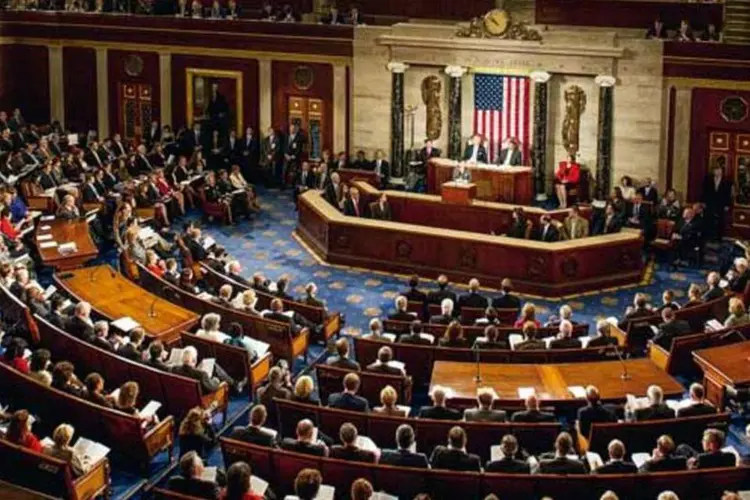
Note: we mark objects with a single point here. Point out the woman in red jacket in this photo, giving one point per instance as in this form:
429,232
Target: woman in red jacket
19,432
567,175
6,226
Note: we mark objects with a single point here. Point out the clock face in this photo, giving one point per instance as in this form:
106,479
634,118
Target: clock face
496,22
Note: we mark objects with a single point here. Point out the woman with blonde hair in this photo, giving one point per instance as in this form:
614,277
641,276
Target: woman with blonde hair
127,400
303,391
62,450
388,399
528,313
454,336
737,313
246,301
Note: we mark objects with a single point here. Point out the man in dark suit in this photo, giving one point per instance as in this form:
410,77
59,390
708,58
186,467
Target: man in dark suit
717,195
561,463
101,333
414,293
383,363
670,328
415,335
510,156
712,456
508,464
381,209
349,450
296,322
403,456
234,272
611,223
341,360
656,410
156,355
649,191
348,399
454,456
446,313
547,231
428,151
663,458
293,147
473,298
187,369
401,313
304,180
565,338
640,309
685,236
192,140
278,386
437,296
739,276
532,414
714,291
616,463
438,410
271,156
593,412
507,300
639,216
189,481
382,168
530,341
698,404
306,442
255,433
353,205
475,152
491,339
484,412
80,325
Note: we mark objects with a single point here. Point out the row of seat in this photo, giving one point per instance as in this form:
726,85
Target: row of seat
280,467
467,315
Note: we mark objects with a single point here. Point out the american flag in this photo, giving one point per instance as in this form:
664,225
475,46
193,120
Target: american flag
501,110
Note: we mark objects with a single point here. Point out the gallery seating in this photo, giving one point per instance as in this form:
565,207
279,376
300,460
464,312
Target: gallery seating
533,437
176,393
284,344
472,332
280,467
117,430
51,476
331,380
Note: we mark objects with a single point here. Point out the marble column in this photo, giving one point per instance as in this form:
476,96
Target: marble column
606,85
339,107
265,97
56,91
102,91
454,110
539,151
165,88
397,70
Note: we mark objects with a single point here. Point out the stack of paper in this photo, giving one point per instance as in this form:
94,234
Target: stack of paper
634,403
44,237
68,247
514,338
428,336
594,460
150,409
49,291
47,442
258,485
578,391
640,458
390,337
326,492
367,444
207,366
258,346
525,392
175,357
209,474
714,325
496,452
47,218
208,242
91,449
678,405
125,324
48,244
379,495
397,364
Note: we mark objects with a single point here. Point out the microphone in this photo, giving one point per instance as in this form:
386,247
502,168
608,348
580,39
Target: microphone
478,376
152,308
625,375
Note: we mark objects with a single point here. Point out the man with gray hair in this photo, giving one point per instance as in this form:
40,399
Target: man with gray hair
401,313
532,413
438,410
565,338
189,481
80,325
714,291
602,337
209,383
101,332
446,313
234,271
656,409
473,298
484,412
616,463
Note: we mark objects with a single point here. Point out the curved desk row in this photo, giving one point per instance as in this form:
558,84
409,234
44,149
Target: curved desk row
412,246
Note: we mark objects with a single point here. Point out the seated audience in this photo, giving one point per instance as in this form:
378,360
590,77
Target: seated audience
95,391
311,298
127,398
348,449
454,456
437,296
663,458
19,431
454,336
189,481
211,327
602,337
341,359
236,337
388,400
246,302
506,300
132,350
62,450
473,298
616,463
303,391
361,490
639,309
484,412
489,318
547,231
446,313
238,487
532,414
491,340
667,300
64,379
376,331
656,409
348,398
38,366
196,433
439,410
403,456
737,314
565,313
188,369
255,432
698,403
401,313
670,329
530,342
278,387
414,294
593,412
305,441
576,226
384,363
528,314
564,339
508,464
714,291
307,484
415,335
713,456
562,463
695,296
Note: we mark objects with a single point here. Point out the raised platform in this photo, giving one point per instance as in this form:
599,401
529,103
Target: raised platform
434,238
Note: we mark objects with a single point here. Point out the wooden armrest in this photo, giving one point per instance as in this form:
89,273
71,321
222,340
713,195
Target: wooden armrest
259,371
658,355
94,482
331,325
160,436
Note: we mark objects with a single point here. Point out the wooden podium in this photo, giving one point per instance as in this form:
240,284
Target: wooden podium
458,193
723,366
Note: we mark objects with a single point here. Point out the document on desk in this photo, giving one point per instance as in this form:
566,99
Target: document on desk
125,324
578,391
525,392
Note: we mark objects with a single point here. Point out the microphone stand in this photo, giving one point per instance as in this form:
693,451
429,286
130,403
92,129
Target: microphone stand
625,375
92,274
152,309
478,376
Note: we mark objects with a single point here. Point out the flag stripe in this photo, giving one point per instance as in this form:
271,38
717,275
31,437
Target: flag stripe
501,111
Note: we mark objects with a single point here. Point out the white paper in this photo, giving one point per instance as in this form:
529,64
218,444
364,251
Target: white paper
125,324
115,394
208,242
397,364
525,392
260,347
49,291
258,485
367,444
67,247
35,213
48,244
205,296
677,405
44,237
150,409
714,325
405,409
47,218
326,492
723,283
594,460
379,495
209,474
578,391
47,442
91,449
26,353
427,336
514,338
175,357
481,340
496,453
635,403
585,341
640,458
390,337
613,321
733,451
207,366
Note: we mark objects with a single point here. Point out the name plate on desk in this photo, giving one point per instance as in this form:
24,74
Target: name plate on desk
458,193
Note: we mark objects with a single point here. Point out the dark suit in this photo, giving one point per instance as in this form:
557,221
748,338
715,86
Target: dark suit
696,409
437,296
481,153
403,316
439,413
516,159
357,209
253,435
713,293
617,467
561,465
506,301
715,460
508,465
447,458
300,447
378,212
716,200
472,299
565,343
550,235
404,458
340,362
671,463
414,339
353,454
440,319
530,345
593,413
481,415
193,487
655,412
668,331
425,154
208,384
346,401
80,329
378,367
532,416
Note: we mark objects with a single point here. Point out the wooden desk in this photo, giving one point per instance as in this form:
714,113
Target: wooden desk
504,184
114,296
459,193
348,175
723,366
65,231
552,381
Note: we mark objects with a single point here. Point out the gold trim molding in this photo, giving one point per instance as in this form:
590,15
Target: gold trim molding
706,83
191,73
